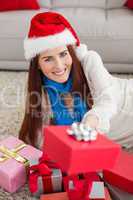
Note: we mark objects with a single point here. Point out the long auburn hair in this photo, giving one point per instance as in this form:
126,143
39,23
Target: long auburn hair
32,123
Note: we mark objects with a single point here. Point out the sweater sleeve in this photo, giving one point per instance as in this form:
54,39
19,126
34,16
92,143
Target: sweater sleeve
102,88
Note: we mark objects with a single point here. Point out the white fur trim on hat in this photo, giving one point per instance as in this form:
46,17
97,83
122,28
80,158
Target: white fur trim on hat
34,46
81,51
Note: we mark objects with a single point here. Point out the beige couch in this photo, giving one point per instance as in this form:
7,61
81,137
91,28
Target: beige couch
104,25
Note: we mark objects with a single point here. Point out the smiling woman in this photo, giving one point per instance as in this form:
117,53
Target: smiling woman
69,85
58,92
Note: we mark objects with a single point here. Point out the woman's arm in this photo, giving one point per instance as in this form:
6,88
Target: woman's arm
102,88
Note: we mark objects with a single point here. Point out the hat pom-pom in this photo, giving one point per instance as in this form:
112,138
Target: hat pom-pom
81,51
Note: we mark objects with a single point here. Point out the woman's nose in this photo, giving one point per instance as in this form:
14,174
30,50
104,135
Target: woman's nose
58,63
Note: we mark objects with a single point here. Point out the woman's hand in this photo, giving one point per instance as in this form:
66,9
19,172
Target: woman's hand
91,121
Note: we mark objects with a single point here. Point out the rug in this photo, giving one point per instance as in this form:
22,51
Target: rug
12,107
12,97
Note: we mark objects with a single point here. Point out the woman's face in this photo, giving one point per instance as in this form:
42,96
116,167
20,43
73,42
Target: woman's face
56,64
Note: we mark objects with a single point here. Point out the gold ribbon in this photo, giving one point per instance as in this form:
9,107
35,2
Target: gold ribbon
13,153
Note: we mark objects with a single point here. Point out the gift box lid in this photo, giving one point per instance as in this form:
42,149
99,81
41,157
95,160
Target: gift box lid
78,156
121,175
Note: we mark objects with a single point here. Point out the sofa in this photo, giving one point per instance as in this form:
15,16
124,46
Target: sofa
106,26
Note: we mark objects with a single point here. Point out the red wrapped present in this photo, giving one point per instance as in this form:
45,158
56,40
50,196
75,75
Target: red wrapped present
43,179
121,175
55,196
76,188
88,188
75,156
15,158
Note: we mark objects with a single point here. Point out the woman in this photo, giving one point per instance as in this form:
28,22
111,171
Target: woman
67,83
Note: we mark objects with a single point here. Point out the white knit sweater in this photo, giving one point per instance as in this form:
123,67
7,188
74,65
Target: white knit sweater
113,98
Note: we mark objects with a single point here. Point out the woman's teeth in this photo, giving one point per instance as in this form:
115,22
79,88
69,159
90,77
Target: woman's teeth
60,73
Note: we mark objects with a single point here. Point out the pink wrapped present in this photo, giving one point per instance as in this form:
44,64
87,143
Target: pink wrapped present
75,156
15,158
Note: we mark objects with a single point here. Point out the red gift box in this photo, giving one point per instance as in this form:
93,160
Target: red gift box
43,179
86,186
78,156
121,175
49,184
79,187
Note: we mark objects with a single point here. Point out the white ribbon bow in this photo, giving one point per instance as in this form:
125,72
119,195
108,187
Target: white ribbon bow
81,132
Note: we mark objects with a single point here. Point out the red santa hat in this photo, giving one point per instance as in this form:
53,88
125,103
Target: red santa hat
48,30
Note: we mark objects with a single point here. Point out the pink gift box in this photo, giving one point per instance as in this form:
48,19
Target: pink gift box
78,156
13,174
121,175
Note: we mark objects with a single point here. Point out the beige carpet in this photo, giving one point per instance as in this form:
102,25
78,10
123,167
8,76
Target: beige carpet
12,101
12,90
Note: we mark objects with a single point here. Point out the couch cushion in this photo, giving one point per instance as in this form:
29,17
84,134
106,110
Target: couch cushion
78,3
103,31
115,3
86,21
15,24
99,31
118,24
115,23
44,3
108,32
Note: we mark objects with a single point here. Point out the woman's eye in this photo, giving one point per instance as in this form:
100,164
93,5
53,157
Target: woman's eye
48,59
63,54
